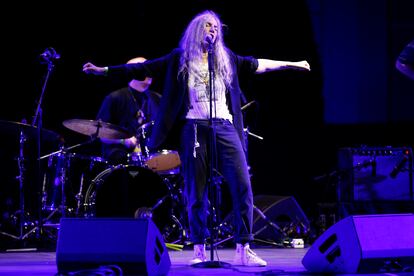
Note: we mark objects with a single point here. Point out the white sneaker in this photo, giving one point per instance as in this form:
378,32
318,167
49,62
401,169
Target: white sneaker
199,254
245,256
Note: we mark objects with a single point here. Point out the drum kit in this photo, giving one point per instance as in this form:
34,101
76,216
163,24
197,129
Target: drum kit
149,184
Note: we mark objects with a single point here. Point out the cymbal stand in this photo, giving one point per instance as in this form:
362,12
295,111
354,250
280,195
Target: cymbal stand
79,197
22,212
248,132
66,149
20,162
40,227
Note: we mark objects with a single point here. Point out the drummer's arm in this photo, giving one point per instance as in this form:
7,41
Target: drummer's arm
129,142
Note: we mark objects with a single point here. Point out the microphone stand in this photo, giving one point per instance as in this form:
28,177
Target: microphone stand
37,122
48,56
211,180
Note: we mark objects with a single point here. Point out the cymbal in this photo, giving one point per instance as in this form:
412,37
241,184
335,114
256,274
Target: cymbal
97,128
30,132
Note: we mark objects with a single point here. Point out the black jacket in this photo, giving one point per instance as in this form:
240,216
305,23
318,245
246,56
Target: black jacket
174,102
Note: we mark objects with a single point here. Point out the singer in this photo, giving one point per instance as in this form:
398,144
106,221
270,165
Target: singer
129,107
185,113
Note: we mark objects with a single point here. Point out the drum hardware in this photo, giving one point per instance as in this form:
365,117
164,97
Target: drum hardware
87,174
25,133
97,129
163,161
22,212
58,187
63,149
49,57
14,129
61,193
35,130
150,195
247,105
136,157
94,129
144,133
147,212
176,231
170,232
248,132
79,197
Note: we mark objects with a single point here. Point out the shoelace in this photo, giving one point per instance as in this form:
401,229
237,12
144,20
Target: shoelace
251,255
251,252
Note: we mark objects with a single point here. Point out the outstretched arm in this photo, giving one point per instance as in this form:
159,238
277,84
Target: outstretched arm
90,68
266,65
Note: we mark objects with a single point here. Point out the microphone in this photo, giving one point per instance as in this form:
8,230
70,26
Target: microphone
209,38
400,165
50,54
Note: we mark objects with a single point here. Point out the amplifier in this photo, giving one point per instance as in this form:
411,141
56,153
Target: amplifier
375,174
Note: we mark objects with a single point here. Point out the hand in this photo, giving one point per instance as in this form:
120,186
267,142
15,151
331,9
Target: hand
302,65
130,142
89,68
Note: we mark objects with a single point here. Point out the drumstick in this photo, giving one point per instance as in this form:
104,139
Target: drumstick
174,246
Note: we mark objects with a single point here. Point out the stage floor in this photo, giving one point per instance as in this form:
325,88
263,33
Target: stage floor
281,261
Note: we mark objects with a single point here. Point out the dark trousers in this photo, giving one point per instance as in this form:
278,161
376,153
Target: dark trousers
231,164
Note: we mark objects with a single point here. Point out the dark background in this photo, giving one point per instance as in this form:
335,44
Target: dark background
353,96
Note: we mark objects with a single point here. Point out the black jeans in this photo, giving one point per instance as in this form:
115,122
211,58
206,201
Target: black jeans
231,163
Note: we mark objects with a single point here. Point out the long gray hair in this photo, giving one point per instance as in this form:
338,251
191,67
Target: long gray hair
192,45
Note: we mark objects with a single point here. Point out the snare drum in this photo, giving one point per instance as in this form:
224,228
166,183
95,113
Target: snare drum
163,161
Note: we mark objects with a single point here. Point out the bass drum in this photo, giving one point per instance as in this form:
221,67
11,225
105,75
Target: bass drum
129,191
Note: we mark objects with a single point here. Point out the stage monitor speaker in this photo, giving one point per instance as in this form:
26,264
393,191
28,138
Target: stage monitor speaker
375,174
284,211
134,245
364,244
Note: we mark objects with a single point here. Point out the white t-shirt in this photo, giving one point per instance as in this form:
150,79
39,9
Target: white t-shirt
199,94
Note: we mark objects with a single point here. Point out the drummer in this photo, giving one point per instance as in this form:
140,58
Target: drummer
129,107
